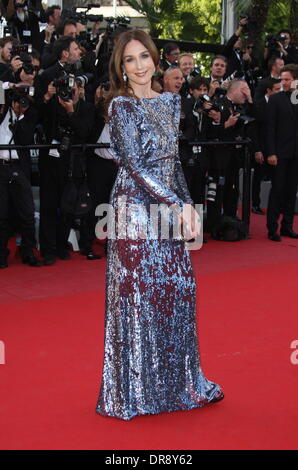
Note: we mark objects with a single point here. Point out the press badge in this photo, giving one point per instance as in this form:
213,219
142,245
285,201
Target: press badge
26,33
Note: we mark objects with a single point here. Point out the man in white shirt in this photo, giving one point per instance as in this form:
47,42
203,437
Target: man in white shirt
17,127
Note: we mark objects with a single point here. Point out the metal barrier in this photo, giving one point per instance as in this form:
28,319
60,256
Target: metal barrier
232,143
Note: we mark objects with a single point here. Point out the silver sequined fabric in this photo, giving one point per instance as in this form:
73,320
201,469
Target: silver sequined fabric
151,357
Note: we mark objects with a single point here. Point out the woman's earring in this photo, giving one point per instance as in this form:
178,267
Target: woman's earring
124,76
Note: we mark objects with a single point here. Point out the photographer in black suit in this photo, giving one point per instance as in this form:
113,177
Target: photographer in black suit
67,116
280,46
282,143
18,120
199,123
25,22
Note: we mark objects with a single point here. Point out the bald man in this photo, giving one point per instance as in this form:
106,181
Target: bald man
173,80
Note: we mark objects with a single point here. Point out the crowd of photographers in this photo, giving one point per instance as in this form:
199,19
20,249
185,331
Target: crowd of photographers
54,84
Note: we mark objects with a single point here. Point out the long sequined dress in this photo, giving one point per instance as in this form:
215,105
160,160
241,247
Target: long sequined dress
151,357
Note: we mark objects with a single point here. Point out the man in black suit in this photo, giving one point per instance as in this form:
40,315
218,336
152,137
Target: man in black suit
260,164
275,66
283,49
170,56
57,117
198,124
218,70
282,142
18,120
25,22
49,35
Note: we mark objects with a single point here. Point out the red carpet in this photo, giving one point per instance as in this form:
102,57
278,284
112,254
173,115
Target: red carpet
52,328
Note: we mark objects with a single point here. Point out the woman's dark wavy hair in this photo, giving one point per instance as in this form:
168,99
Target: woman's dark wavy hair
118,86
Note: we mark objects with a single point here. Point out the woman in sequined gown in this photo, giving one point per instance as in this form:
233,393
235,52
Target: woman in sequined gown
151,357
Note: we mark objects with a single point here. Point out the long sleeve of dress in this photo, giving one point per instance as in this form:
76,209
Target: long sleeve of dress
181,185
126,143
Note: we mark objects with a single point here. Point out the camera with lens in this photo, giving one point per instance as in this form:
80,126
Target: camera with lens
64,86
211,189
22,51
273,41
249,27
85,41
114,23
195,73
21,94
105,84
84,79
21,48
240,109
28,67
216,101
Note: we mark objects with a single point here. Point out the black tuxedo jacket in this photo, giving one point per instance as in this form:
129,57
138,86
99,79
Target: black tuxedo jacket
259,140
23,133
282,126
234,63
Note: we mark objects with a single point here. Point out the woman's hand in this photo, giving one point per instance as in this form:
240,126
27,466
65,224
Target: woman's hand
190,222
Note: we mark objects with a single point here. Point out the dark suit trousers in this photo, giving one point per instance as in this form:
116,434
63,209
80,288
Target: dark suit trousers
260,170
231,187
15,188
282,196
54,227
195,177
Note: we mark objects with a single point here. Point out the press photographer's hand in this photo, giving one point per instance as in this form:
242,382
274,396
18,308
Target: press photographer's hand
16,63
51,92
67,105
272,160
232,120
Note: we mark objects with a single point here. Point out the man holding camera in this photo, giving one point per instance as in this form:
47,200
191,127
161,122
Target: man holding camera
236,114
25,22
199,124
280,46
65,117
18,120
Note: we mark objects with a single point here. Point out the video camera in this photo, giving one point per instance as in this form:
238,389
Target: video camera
21,94
114,23
64,86
82,16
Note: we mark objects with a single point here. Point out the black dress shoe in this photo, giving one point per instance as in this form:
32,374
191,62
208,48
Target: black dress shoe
3,262
49,260
64,254
90,254
31,260
274,237
257,210
288,233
